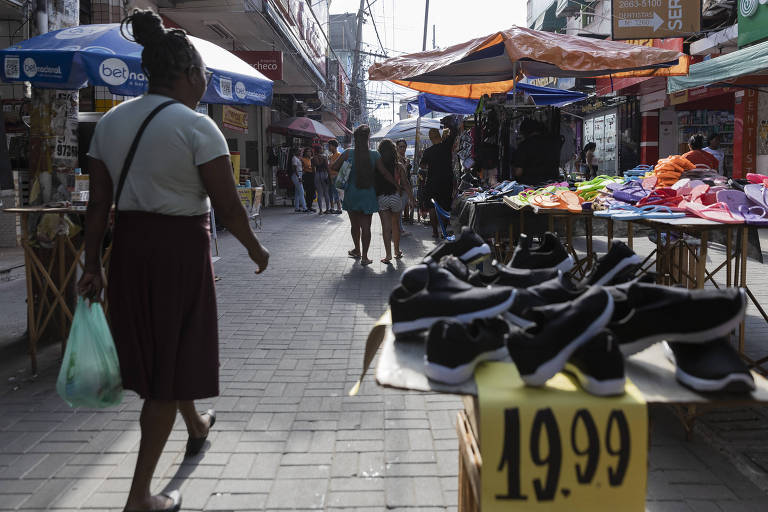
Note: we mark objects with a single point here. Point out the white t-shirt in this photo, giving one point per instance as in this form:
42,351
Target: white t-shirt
298,166
163,177
717,154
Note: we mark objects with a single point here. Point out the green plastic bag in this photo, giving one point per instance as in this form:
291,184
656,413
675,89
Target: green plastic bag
90,372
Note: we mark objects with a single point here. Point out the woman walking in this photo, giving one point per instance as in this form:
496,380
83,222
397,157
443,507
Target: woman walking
297,172
390,202
309,178
322,181
360,196
333,154
161,290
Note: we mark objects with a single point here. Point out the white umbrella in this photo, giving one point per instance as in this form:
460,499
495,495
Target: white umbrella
406,129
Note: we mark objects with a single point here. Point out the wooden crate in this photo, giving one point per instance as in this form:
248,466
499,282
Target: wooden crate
470,464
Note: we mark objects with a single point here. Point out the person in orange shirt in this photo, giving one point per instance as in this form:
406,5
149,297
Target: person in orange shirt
697,155
333,154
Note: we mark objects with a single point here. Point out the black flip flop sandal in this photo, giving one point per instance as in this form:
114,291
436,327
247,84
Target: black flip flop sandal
195,444
174,496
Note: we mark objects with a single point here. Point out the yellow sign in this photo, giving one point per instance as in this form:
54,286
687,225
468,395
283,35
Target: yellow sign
235,119
558,448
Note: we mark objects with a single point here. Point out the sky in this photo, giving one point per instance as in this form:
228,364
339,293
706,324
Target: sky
400,25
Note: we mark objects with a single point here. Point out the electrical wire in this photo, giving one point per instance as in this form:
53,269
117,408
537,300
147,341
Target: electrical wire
375,28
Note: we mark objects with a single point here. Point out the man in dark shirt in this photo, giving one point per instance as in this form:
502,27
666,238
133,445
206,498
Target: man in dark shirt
536,160
438,160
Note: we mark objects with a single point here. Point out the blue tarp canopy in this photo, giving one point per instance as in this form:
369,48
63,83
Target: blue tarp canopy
427,103
99,55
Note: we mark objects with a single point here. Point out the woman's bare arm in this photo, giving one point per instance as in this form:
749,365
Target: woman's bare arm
336,165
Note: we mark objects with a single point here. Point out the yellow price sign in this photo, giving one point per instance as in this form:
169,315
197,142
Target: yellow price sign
558,447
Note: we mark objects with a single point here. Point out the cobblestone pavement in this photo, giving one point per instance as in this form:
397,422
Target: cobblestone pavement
287,436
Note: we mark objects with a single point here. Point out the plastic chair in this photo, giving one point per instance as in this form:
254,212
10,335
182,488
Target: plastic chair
447,215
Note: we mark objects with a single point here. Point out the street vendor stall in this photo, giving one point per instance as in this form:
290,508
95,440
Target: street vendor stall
70,59
516,417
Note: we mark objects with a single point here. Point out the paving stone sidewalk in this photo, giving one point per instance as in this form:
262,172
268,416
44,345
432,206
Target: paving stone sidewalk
287,436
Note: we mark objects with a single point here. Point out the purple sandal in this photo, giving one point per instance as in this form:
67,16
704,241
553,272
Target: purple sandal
739,202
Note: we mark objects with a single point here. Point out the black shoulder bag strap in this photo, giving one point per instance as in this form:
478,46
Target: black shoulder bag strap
134,145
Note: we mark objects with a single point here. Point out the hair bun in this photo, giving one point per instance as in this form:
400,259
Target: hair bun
147,27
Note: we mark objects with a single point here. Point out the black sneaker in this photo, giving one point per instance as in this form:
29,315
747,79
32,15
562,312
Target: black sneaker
455,266
710,367
618,265
541,350
550,254
515,277
442,297
599,366
453,349
415,277
469,247
553,291
654,313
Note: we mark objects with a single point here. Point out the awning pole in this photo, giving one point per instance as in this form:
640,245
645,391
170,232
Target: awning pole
514,84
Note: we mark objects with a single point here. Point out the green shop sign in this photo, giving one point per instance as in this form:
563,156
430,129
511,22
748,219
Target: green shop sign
753,21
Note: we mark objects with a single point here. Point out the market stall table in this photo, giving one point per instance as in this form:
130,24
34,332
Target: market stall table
51,286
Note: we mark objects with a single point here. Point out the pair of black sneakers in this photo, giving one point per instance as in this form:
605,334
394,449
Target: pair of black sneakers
568,336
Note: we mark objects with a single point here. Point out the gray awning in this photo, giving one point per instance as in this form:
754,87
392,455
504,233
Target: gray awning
727,68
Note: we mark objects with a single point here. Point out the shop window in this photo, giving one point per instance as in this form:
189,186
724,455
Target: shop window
232,143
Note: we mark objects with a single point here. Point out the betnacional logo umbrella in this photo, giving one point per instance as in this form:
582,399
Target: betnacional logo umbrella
100,55
302,127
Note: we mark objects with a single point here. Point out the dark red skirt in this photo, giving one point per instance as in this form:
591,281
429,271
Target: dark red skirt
162,306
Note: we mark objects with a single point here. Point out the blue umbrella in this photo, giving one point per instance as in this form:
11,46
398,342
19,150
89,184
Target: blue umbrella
99,55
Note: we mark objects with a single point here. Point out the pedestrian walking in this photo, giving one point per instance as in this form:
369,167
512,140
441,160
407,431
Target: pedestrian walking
322,181
297,172
390,202
360,200
162,301
333,154
437,159
308,177
402,147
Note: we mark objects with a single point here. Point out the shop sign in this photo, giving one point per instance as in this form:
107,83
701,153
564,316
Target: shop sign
699,93
235,119
268,63
753,21
558,448
638,19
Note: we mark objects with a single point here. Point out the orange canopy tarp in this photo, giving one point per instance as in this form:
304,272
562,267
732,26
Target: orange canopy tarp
491,64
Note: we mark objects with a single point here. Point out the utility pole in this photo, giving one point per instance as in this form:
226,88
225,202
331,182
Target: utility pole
357,105
393,107
433,38
426,24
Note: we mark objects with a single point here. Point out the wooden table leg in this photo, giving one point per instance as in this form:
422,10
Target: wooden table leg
610,232
28,269
743,283
659,257
630,242
588,229
551,223
701,264
61,255
728,254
